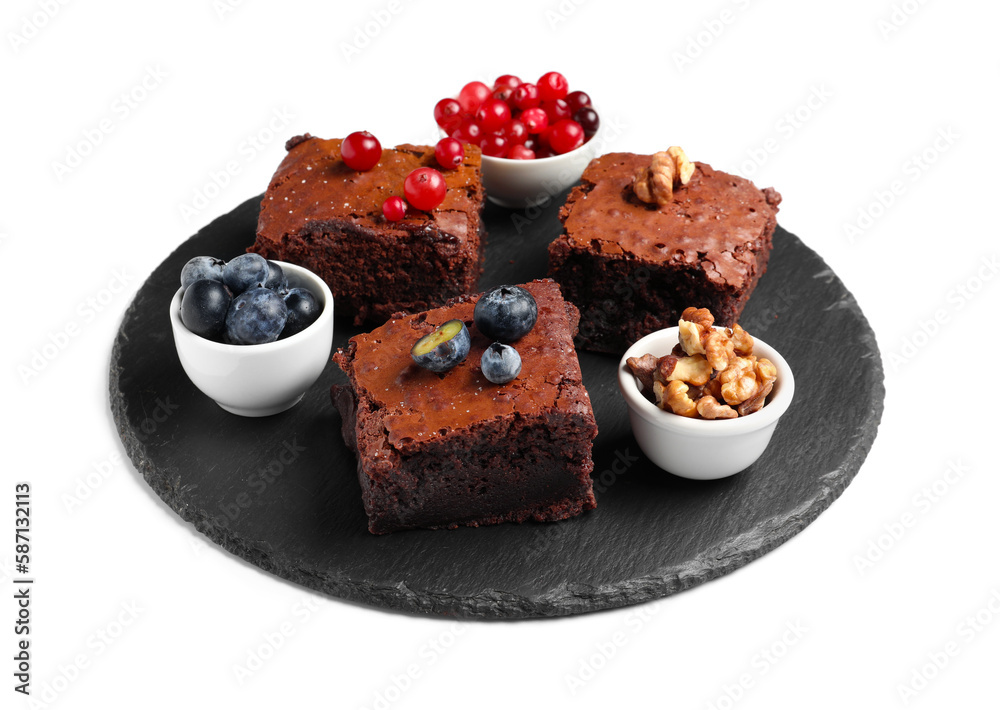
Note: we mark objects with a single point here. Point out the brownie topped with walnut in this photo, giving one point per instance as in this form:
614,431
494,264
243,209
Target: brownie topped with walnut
645,235
320,214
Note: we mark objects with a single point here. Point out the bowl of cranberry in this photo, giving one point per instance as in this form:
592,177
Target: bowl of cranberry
536,138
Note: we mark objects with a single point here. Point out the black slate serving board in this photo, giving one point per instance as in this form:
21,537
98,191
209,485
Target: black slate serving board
282,493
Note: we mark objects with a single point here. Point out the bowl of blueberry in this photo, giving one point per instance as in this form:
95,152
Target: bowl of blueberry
536,138
252,334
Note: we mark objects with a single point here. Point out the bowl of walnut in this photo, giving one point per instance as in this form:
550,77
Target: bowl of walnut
704,400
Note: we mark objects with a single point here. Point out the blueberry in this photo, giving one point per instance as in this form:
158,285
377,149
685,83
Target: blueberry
256,316
303,310
506,313
204,307
276,279
500,363
444,348
245,272
202,267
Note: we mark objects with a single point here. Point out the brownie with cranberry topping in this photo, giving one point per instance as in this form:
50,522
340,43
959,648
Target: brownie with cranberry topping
444,450
321,214
632,267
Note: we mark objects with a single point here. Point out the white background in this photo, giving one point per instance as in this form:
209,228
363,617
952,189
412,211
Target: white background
899,140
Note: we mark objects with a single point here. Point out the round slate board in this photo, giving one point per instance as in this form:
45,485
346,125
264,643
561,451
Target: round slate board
282,492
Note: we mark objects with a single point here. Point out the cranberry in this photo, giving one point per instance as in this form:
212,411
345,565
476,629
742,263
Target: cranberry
515,132
566,135
361,151
525,96
519,152
532,143
468,131
588,120
492,115
472,96
534,119
577,100
507,80
543,152
552,85
543,138
448,114
394,208
425,188
449,153
503,93
557,110
494,145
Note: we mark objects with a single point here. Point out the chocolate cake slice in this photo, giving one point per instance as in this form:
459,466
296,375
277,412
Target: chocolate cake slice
450,449
632,267
322,215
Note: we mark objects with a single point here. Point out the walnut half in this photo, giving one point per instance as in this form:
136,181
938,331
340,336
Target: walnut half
668,169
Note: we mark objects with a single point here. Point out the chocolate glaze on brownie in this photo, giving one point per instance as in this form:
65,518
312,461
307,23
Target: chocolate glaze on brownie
321,214
454,449
632,267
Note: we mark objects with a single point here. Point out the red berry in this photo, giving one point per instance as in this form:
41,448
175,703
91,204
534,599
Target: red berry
525,96
531,143
503,93
552,85
507,80
544,152
566,135
449,153
425,188
492,115
448,114
534,119
577,100
394,208
543,138
361,151
468,131
472,96
519,152
494,145
588,120
515,132
557,110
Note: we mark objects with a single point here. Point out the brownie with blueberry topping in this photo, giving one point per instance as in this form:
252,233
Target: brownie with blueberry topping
440,450
321,214
632,267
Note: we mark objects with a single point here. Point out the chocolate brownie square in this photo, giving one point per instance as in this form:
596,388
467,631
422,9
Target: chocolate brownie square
322,215
632,268
443,450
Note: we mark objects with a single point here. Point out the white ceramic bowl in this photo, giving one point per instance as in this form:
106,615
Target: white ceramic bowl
697,448
259,380
525,183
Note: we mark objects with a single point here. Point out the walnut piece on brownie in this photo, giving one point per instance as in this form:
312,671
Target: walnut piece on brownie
320,214
631,267
443,450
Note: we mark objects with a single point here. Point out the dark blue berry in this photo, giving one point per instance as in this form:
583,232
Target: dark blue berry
444,348
201,267
506,313
500,363
256,316
245,272
303,310
276,279
204,307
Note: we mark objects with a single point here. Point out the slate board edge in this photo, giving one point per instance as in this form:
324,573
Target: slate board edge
499,604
